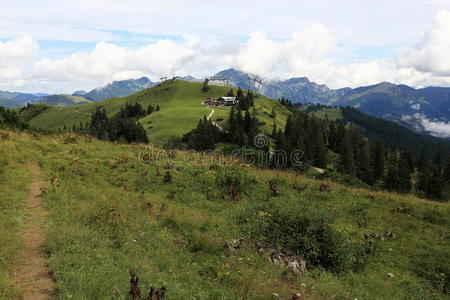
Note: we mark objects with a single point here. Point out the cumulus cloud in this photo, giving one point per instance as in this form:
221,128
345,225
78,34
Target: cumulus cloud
18,50
14,55
303,54
307,52
432,54
304,51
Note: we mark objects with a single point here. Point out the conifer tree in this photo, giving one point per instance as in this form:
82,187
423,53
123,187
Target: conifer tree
391,181
434,189
404,173
346,163
377,160
363,163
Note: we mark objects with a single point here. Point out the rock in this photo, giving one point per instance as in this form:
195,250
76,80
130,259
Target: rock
297,266
277,258
234,243
294,266
390,234
390,275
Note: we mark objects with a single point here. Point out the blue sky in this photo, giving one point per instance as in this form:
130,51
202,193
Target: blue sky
60,46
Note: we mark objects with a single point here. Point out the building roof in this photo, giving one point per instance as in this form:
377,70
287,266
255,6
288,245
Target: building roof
219,78
228,99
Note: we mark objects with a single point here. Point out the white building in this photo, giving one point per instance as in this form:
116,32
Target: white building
218,80
228,101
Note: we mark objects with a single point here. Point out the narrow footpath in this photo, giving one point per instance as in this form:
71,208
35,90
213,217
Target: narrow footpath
32,275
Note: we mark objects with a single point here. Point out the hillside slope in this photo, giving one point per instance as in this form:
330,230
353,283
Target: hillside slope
415,108
111,210
393,135
10,103
181,108
119,89
63,100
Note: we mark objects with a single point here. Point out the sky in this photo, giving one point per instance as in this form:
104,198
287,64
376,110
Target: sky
62,46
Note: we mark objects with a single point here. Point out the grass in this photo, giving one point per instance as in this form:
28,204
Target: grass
180,112
65,99
111,212
330,113
14,179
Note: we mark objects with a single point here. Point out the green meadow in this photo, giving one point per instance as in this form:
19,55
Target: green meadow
114,208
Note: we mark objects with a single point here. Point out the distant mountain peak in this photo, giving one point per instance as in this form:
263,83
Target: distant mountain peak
79,93
299,89
120,88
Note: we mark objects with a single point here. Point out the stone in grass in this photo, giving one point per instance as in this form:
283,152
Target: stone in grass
297,266
234,244
391,275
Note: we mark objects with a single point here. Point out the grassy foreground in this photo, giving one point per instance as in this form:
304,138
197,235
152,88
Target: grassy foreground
111,211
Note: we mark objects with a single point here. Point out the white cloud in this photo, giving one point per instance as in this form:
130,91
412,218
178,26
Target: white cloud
14,55
306,52
432,54
18,51
438,129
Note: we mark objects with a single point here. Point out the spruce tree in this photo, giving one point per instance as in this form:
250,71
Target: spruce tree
363,163
404,172
391,180
346,162
434,189
377,160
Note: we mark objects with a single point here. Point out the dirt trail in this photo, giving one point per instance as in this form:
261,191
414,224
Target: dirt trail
32,272
214,123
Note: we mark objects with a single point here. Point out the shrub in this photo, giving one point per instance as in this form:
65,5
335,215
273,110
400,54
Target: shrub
174,143
344,179
434,217
235,182
434,267
304,230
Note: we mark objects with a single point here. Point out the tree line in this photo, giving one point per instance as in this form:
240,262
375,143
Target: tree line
122,127
242,128
245,101
335,146
367,159
10,119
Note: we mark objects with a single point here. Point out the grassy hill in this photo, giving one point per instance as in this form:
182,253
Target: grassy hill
63,100
110,210
180,104
10,103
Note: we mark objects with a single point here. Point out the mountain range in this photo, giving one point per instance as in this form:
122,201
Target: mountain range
425,110
15,99
298,90
118,89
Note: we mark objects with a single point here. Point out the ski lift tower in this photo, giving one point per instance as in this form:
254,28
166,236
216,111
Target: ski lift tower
218,80
254,82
